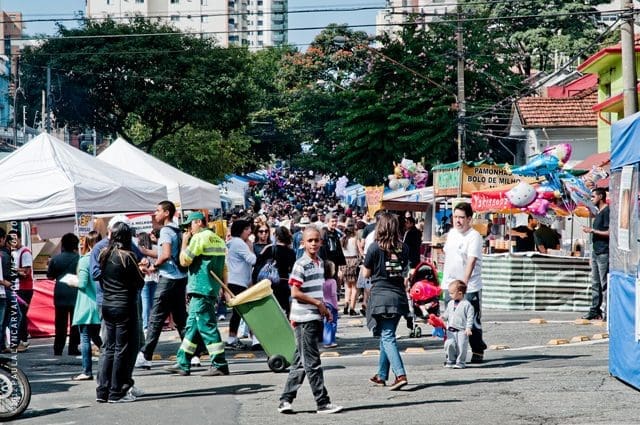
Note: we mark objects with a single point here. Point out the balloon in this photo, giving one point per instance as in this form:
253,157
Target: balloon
548,190
540,165
538,207
521,195
394,184
424,290
577,191
561,151
421,179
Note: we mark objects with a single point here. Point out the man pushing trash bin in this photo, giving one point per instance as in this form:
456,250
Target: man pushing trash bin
203,252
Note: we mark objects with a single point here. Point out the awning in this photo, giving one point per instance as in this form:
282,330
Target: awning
598,160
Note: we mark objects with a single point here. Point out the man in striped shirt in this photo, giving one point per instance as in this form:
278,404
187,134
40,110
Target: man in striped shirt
307,311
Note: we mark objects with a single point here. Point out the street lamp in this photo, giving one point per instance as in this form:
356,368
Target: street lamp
15,116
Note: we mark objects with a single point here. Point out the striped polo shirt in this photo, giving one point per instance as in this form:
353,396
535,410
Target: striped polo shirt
308,275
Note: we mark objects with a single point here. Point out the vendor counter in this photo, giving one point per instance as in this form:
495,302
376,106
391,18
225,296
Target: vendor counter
532,281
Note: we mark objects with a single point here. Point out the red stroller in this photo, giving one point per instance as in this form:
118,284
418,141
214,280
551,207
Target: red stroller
424,294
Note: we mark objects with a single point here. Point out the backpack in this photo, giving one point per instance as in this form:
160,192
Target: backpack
176,260
269,270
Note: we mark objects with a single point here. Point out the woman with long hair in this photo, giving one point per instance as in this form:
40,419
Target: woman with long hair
349,244
146,240
262,239
85,313
285,258
386,263
121,280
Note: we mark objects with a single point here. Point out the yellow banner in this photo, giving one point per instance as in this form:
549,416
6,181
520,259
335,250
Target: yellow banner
374,198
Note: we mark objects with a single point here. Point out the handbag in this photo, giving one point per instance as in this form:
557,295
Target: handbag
269,270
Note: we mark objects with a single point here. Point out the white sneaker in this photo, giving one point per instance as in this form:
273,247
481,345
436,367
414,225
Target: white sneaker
127,398
195,361
142,362
329,408
285,407
136,392
222,318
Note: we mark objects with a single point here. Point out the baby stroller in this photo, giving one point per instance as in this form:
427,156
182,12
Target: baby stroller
424,295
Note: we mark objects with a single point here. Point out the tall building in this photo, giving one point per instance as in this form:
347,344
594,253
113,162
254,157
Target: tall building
252,23
390,19
10,31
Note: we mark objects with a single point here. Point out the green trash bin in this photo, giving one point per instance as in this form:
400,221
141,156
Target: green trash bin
264,316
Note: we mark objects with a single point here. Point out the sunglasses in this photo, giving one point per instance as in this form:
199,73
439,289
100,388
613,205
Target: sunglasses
262,231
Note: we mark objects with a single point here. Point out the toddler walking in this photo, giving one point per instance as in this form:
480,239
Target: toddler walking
458,318
330,297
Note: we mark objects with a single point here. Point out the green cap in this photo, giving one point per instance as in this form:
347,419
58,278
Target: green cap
196,215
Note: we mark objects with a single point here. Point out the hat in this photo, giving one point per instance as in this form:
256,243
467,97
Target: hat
120,218
304,221
196,215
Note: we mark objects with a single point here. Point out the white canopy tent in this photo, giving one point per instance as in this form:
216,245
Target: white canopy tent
184,190
48,178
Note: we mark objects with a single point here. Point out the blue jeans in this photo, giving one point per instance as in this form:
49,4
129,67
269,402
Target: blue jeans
389,353
148,291
599,272
87,334
330,328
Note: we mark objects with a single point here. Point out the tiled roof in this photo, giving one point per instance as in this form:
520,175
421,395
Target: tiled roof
575,111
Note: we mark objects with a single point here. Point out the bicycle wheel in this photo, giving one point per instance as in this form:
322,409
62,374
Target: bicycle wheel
15,393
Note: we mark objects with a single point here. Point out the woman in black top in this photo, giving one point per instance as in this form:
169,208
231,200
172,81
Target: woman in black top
285,257
120,282
386,263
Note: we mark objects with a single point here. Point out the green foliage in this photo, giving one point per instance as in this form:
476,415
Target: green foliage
104,72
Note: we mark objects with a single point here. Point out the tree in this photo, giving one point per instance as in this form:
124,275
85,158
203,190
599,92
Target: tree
105,72
538,30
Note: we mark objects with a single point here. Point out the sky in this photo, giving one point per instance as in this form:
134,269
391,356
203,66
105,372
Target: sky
49,10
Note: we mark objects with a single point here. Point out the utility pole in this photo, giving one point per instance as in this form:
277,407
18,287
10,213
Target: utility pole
461,100
629,91
47,116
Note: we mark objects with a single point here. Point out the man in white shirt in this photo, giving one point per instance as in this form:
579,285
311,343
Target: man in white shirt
463,261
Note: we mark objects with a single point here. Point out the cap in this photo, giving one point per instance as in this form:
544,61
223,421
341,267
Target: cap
196,215
120,218
304,221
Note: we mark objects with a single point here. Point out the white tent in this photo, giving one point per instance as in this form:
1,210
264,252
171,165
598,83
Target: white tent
184,190
48,178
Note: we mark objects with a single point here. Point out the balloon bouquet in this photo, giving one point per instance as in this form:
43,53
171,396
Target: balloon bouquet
408,174
559,190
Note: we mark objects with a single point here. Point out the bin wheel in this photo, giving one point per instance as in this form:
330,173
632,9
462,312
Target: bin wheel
278,363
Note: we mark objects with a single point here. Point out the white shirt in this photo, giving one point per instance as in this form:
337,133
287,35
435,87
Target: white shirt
458,249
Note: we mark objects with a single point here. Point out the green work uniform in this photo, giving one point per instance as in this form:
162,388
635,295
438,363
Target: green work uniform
205,253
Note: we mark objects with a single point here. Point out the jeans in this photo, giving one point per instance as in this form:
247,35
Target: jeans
306,361
170,298
475,340
4,310
121,324
599,272
26,296
148,291
389,353
330,328
64,318
88,333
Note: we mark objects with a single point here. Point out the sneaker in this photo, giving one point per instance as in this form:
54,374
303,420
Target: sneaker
448,365
285,407
101,399
82,377
222,318
329,408
592,316
127,398
136,391
377,381
256,347
237,345
352,312
459,366
216,371
334,345
400,382
195,361
175,368
22,347
142,362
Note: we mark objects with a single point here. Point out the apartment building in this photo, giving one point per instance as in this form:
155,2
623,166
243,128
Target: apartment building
251,23
10,30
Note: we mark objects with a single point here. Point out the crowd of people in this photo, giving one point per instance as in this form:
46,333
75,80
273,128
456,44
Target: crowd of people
119,292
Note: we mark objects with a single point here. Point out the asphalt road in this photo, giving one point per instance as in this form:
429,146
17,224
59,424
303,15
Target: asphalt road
525,380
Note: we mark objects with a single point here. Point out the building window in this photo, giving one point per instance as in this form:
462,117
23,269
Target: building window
259,2
139,1
175,18
203,2
175,1
260,23
260,32
204,18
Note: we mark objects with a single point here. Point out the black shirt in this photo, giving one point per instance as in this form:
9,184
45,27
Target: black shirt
601,222
121,280
527,243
